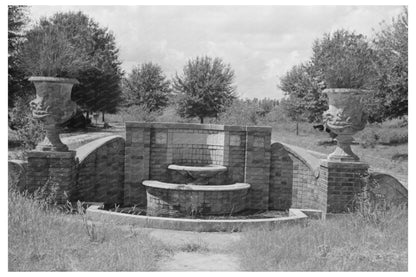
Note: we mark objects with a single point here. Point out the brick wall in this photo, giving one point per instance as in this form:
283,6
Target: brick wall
343,182
293,180
100,172
245,151
54,171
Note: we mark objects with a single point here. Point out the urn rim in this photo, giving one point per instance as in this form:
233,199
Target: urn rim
344,90
54,79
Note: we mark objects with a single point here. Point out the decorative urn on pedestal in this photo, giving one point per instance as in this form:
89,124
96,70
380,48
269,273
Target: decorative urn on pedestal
52,106
345,117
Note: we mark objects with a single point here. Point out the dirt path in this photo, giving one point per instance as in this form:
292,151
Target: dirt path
195,251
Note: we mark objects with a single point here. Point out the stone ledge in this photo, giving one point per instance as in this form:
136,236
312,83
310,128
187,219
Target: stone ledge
343,165
197,126
87,149
208,168
51,154
296,216
169,186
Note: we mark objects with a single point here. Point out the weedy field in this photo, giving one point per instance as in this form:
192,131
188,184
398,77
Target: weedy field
42,238
343,243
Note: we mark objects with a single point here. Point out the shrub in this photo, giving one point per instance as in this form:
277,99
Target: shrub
29,130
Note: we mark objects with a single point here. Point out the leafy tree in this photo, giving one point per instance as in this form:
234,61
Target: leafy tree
17,19
343,59
100,81
391,83
147,85
205,89
304,90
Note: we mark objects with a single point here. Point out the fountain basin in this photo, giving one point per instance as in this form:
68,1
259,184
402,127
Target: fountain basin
198,175
175,200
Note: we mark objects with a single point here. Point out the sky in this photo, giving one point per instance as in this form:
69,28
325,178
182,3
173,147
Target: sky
261,43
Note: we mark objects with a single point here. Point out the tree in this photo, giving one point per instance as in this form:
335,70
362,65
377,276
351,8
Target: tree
17,19
146,85
99,89
343,59
391,83
205,89
304,90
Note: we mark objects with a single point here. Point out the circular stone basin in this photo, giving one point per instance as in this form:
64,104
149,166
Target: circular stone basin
175,200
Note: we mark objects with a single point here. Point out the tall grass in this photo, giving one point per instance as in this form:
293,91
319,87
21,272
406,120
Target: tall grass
348,242
42,238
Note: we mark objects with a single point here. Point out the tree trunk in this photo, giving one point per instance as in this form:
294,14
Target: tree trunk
202,119
88,114
103,117
297,128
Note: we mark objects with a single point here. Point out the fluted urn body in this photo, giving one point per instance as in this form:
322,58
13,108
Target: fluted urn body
344,117
52,106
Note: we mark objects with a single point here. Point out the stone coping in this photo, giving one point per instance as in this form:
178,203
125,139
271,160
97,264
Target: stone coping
311,161
196,126
85,150
296,216
343,164
208,168
51,154
186,187
53,79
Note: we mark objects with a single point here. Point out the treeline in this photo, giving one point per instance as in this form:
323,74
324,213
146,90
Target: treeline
73,45
344,59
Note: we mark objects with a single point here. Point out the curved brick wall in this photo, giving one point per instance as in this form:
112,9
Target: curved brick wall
293,179
174,200
100,171
17,173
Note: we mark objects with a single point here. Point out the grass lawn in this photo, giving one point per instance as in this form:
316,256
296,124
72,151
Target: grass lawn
42,239
344,243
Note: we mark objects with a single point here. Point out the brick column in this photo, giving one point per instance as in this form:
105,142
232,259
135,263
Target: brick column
343,182
257,167
137,158
53,169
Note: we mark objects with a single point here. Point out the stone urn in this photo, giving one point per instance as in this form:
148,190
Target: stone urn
52,106
345,117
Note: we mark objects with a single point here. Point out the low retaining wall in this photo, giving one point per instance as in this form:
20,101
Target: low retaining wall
100,171
294,174
296,216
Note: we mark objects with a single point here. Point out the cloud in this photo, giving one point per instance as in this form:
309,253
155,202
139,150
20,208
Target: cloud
260,42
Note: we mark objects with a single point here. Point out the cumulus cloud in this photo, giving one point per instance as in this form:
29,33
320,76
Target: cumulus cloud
260,42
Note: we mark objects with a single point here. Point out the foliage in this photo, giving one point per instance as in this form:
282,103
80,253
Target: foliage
205,88
74,45
48,52
341,243
304,90
17,19
391,83
343,59
29,130
146,85
42,238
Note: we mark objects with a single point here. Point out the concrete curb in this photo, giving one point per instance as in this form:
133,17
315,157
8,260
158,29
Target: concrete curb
296,216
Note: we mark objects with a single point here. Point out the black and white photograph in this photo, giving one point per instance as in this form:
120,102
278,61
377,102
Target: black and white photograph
207,137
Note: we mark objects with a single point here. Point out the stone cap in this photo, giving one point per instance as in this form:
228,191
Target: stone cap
207,168
169,186
196,126
51,154
337,164
53,79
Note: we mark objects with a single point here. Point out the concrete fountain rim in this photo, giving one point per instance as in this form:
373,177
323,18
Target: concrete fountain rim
296,216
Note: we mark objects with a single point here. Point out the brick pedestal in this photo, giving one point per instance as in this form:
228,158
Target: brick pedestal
53,169
257,166
343,182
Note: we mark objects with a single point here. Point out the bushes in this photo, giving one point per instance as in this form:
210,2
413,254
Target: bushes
385,134
29,131
343,243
